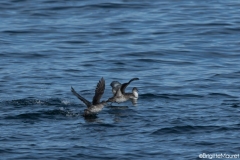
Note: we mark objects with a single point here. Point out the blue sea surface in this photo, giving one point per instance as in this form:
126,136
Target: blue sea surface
185,53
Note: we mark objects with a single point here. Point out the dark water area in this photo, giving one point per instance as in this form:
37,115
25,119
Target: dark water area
185,53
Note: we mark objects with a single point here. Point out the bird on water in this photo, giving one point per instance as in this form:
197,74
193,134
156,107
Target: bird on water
95,106
119,94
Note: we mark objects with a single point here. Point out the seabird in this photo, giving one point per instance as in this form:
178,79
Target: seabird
118,90
96,106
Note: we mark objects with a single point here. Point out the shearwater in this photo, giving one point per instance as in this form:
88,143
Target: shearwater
96,106
118,90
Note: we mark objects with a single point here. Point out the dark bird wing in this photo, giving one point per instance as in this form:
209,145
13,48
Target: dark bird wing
124,85
99,91
88,104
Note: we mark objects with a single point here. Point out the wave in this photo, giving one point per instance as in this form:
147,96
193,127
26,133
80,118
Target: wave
34,101
34,109
231,103
116,5
169,96
221,95
188,129
49,114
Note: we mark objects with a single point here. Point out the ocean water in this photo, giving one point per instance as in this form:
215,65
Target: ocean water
185,53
